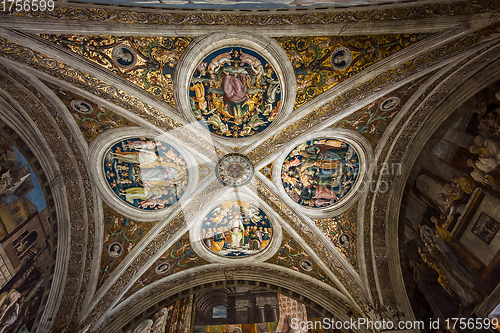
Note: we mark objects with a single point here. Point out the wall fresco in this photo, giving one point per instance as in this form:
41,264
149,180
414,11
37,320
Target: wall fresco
236,92
147,62
146,173
320,63
177,258
26,234
341,230
91,118
236,229
121,232
320,172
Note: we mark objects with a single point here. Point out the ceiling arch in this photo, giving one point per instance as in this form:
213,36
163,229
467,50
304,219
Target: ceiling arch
426,78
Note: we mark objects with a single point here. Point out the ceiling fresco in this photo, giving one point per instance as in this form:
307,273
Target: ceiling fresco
341,230
372,120
236,229
321,63
122,232
91,118
175,215
147,62
145,173
319,173
177,258
292,255
235,91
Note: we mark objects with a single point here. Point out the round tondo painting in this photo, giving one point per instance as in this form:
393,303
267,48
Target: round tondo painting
146,173
236,229
320,172
235,91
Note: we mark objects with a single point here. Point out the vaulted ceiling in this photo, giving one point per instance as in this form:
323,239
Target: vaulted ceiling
90,88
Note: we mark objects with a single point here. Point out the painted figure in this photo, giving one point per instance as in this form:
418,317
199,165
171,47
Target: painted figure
320,172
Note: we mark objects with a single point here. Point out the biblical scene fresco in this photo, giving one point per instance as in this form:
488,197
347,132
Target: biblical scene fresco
372,120
147,62
236,229
177,258
341,230
319,173
91,118
292,255
236,92
146,173
320,63
121,234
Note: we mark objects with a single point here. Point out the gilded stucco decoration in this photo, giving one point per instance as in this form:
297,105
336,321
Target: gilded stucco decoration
177,258
341,230
267,171
372,120
91,118
125,232
292,255
320,63
131,17
148,62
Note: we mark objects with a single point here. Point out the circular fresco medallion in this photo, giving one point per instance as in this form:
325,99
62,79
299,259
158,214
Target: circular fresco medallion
146,173
389,104
236,229
234,170
81,106
124,56
319,173
306,265
344,240
115,250
162,268
235,91
341,58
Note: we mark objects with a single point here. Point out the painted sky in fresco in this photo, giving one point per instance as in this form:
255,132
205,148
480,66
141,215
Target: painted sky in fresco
36,194
244,4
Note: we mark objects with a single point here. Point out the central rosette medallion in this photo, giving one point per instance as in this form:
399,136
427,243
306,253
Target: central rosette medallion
234,170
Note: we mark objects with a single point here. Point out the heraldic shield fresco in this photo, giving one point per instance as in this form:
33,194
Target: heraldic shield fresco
145,173
319,173
236,92
236,229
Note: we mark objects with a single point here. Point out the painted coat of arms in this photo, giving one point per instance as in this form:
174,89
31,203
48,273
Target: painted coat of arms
236,92
145,173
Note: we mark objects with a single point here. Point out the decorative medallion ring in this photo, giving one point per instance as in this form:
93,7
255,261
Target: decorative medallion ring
234,170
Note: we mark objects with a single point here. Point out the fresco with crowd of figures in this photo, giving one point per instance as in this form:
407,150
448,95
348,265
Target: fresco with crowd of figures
236,229
319,173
